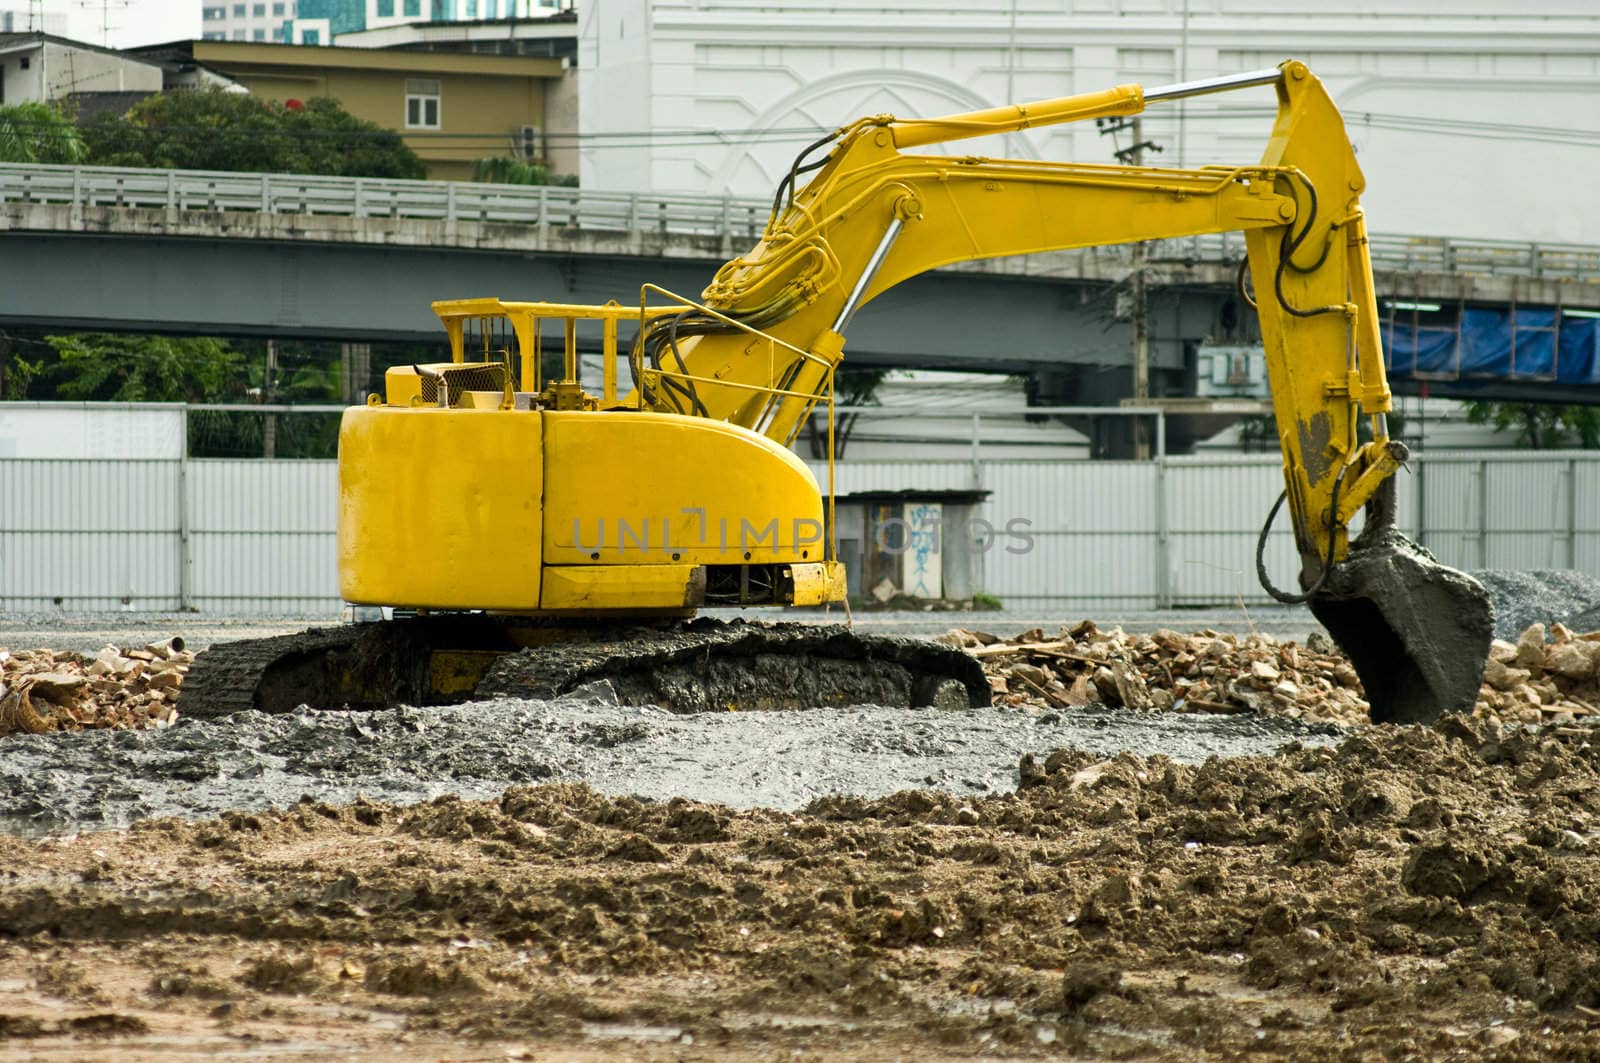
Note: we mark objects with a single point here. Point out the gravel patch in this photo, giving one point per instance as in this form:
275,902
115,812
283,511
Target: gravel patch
1541,596
86,780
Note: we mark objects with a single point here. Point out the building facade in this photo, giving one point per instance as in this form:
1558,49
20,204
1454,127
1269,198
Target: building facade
321,22
1474,119
452,109
24,20
40,67
254,20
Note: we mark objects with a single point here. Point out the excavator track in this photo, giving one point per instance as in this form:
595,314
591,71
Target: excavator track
684,666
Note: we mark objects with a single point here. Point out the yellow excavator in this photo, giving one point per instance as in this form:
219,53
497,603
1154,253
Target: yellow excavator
546,539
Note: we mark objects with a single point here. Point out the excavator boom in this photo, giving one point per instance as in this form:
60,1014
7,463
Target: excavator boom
874,216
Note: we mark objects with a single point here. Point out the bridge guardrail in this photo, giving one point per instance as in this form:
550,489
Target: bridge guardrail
732,217
368,197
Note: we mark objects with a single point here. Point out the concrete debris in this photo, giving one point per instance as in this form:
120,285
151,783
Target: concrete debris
1167,670
133,689
1543,676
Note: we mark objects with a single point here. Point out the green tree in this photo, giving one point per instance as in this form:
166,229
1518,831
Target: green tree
98,366
852,386
37,132
1540,426
211,129
503,171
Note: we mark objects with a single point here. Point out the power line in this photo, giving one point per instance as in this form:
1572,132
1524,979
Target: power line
1354,121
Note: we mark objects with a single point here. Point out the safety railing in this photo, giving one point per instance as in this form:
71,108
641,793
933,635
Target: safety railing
1416,254
365,197
498,332
731,217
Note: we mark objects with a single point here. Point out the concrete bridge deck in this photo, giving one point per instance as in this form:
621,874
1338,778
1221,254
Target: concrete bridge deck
362,259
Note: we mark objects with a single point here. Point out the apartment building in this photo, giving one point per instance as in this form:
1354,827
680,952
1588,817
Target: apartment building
262,21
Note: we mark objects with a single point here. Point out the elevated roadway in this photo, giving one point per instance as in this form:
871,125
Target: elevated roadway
361,260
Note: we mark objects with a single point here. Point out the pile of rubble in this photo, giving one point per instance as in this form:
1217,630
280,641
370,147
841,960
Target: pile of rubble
1168,670
42,690
1535,679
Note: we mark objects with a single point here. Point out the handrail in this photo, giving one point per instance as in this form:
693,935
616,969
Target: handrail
727,217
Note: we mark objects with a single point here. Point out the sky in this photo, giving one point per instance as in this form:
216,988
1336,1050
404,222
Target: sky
131,22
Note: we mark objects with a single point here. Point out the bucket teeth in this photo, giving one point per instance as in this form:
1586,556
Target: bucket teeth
1417,632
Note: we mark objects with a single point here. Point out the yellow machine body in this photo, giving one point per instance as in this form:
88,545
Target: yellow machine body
478,484
467,487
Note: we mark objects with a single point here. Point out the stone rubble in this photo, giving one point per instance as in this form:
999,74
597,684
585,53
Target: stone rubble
1542,677
125,689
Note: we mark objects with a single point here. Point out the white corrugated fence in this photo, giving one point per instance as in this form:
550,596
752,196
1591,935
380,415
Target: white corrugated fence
253,537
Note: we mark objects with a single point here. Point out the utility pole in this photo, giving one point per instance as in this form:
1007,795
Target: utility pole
355,362
1140,295
269,427
1138,286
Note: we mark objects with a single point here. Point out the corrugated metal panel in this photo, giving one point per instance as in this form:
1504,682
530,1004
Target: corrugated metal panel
98,533
258,496
89,570
1586,516
1078,530
75,495
1526,519
89,534
263,535
1215,510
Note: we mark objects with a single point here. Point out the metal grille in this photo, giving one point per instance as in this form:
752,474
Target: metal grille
473,376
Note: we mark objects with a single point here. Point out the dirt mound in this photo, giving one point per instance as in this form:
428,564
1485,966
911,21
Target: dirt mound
1410,891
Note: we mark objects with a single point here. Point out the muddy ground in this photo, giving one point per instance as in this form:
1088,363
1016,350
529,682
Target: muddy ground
1410,892
484,883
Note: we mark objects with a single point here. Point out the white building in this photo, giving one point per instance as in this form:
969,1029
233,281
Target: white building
255,20
30,19
1475,118
40,67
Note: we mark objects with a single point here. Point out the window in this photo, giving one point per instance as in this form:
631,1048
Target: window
238,35
277,9
280,35
472,8
413,7
211,14
385,8
213,35
259,10
310,36
259,35
422,103
238,11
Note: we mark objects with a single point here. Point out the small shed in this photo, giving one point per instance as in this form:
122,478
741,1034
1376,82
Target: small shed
913,547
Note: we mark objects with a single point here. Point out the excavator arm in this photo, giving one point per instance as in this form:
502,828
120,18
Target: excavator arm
874,216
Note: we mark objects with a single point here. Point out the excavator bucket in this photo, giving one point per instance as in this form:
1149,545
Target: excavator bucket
1418,632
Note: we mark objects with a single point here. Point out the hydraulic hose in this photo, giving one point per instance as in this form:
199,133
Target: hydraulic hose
1327,564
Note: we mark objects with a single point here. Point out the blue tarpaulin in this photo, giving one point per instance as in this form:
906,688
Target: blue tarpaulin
1493,344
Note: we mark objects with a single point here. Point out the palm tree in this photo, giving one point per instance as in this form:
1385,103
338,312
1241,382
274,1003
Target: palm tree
37,132
503,171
